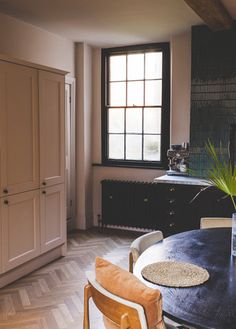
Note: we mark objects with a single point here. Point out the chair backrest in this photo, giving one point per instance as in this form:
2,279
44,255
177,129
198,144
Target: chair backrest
139,245
213,222
122,312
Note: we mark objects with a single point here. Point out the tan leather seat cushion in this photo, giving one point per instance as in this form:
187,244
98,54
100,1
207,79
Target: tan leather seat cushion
124,284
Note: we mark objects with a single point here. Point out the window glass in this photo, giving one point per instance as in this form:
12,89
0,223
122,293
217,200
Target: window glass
117,68
135,67
135,93
134,147
117,94
152,120
153,92
152,147
116,146
134,120
153,65
116,120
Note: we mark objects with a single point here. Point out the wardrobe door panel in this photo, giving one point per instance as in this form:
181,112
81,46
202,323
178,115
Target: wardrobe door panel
20,228
53,214
52,130
19,158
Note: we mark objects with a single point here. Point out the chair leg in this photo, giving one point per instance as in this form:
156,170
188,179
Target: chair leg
124,323
87,295
131,262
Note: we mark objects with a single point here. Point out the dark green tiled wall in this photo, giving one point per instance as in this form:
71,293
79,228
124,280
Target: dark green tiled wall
213,94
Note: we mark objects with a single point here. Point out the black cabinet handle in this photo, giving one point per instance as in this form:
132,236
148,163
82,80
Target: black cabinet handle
5,190
44,183
6,202
44,192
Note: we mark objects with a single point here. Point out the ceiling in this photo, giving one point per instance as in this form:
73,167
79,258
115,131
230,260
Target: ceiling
108,22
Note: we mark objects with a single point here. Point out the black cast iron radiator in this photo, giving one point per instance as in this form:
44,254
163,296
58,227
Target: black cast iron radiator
130,204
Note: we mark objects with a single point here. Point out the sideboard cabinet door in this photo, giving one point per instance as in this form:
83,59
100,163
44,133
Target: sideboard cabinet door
52,130
19,155
20,228
53,223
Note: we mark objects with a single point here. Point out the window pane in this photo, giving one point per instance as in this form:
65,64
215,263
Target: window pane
117,94
153,65
153,92
135,93
133,147
116,146
134,120
152,147
135,67
117,68
116,121
152,120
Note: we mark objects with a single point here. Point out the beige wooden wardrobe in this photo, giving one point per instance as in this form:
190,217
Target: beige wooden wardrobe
32,169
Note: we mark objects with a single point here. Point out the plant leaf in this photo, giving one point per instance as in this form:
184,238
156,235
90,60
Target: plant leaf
221,175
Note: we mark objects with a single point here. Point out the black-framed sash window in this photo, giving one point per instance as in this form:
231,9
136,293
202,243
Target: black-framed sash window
135,105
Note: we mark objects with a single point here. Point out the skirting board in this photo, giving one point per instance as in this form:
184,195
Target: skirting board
32,265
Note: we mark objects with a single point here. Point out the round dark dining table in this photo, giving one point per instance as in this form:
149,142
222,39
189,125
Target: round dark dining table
211,305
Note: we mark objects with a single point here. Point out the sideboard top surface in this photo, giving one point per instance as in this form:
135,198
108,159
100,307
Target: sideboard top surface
184,180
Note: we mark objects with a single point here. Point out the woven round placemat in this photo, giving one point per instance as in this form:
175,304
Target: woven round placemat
175,274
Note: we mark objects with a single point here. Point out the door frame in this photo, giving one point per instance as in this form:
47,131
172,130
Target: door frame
71,222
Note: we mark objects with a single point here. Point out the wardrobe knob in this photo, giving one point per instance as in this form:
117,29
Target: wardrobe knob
44,192
5,190
44,183
6,202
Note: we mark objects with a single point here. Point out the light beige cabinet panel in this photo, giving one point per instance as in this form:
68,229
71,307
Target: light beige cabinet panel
52,128
53,217
1,269
20,228
19,150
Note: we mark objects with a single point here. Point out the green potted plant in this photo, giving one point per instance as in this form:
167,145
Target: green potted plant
222,175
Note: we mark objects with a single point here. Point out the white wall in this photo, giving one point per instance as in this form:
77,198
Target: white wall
180,88
180,117
27,42
83,56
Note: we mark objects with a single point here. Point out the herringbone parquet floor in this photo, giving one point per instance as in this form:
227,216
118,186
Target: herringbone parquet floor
52,297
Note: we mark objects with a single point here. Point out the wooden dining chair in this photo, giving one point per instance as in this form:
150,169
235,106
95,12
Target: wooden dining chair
139,245
118,312
213,222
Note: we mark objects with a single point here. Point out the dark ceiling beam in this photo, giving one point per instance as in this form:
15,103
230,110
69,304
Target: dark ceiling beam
213,13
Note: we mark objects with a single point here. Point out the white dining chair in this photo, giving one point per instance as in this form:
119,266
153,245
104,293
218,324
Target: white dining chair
213,222
139,245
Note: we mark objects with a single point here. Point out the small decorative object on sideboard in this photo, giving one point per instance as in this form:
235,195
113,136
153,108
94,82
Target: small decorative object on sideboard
178,156
222,175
